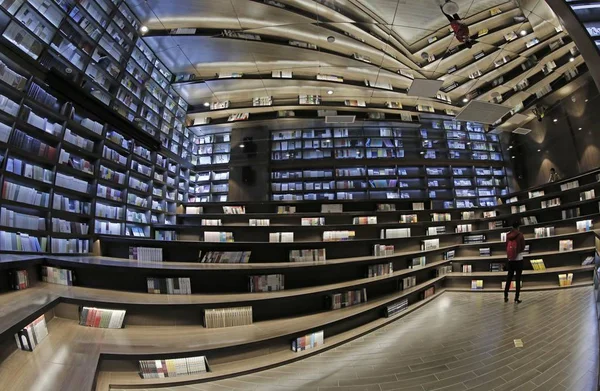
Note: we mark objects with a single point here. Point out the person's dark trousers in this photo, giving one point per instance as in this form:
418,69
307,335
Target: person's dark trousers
515,268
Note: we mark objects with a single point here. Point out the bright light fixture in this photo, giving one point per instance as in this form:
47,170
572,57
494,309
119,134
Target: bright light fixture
555,120
144,29
513,156
523,32
539,150
465,100
571,59
510,147
450,8
330,92
206,104
579,129
242,145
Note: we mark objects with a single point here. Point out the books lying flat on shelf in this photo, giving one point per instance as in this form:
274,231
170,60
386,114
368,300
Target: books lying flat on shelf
18,279
227,317
550,203
570,213
313,221
307,255
170,286
565,279
430,244
32,334
417,263
211,222
218,237
396,308
286,209
409,218
234,210
386,207
589,260
394,233
437,230
512,287
55,275
496,267
336,236
441,217
147,254
565,245
587,195
266,283
173,367
381,269
474,238
467,268
346,299
543,232
584,225
194,210
538,264
101,318
308,341
382,250
409,282
476,284
226,257
485,252
259,222
364,220
281,237
332,208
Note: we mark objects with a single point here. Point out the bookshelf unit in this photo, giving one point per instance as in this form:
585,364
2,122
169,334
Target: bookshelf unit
209,180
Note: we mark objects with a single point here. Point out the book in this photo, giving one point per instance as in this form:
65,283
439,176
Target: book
227,317
538,264
584,225
409,282
332,208
266,283
565,245
395,233
476,284
308,255
396,308
222,237
496,267
18,279
364,220
146,254
225,256
467,268
58,276
383,250
170,285
430,244
101,318
32,334
417,263
346,299
309,341
336,236
281,237
485,252
565,279
381,269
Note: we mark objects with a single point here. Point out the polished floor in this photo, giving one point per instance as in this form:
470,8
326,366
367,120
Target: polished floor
460,341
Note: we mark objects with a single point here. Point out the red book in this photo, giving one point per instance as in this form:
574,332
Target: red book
90,316
98,318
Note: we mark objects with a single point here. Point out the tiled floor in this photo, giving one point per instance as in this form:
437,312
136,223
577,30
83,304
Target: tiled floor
460,341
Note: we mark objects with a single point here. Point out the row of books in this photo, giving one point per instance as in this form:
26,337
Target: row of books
219,237
32,334
170,286
17,241
65,226
227,317
538,264
225,257
10,218
380,269
364,220
309,341
55,275
312,221
346,299
550,203
262,222
383,250
336,236
281,237
70,246
211,222
147,254
18,279
437,230
101,318
28,170
26,195
266,283
412,218
396,308
173,367
395,233
544,232
308,255
430,244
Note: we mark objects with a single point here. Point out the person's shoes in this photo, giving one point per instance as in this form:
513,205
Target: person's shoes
506,299
517,301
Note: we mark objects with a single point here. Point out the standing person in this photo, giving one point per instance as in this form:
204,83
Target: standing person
515,244
461,30
553,176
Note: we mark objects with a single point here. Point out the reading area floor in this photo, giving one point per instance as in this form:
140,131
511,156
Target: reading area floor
459,341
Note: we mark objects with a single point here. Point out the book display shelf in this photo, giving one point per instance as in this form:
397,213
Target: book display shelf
209,181
444,153
344,268
96,45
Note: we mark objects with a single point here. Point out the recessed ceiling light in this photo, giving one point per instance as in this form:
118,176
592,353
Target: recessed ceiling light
510,147
69,70
555,120
586,100
513,156
206,104
523,32
539,150
579,129
330,92
571,59
465,100
144,29
422,153
331,39
242,145
469,143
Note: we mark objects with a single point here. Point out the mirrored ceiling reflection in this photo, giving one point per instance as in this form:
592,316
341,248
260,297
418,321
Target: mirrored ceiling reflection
366,50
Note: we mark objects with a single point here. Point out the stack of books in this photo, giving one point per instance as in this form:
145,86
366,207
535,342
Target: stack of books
396,308
382,250
226,257
538,264
485,252
308,341
266,283
227,317
148,254
173,367
32,334
565,279
382,269
281,237
336,236
476,284
347,299
308,255
56,275
171,286
18,279
474,239
101,318
496,267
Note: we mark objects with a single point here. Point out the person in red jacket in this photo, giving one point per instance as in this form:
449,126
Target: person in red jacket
461,30
515,244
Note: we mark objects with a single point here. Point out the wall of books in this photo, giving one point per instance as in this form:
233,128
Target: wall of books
95,43
454,164
66,175
211,152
